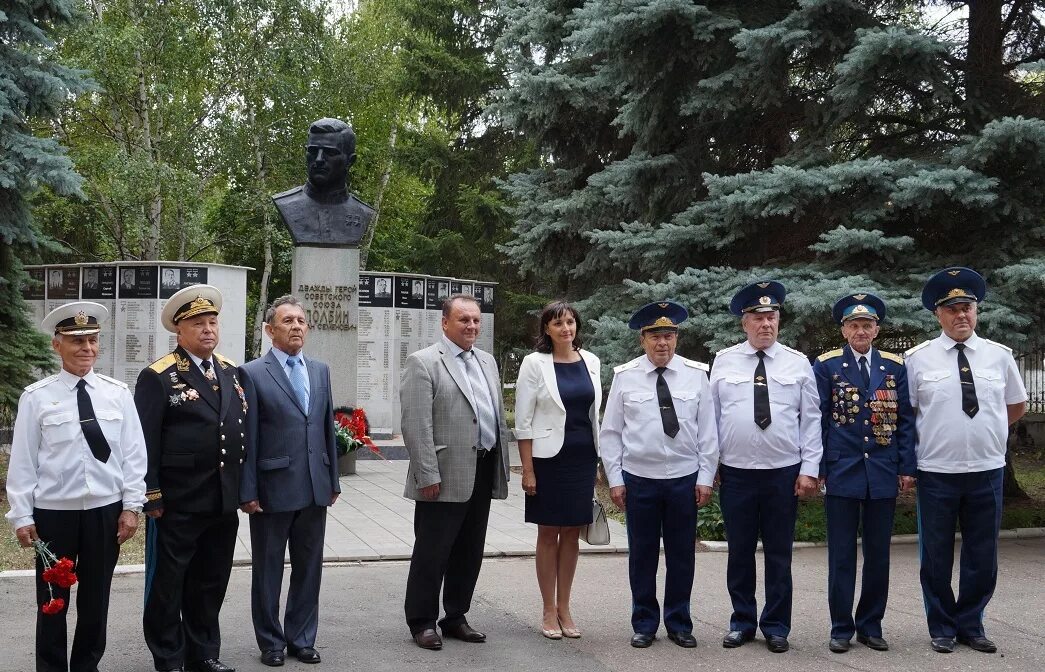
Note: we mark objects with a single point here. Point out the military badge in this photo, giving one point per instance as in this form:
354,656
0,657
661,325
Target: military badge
239,391
190,395
175,399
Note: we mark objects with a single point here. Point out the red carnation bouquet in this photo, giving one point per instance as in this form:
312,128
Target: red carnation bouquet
57,572
351,430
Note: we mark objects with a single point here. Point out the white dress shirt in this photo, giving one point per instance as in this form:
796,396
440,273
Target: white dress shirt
794,433
198,361
949,441
52,467
462,365
632,437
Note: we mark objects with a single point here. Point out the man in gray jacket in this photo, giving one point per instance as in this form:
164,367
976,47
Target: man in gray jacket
454,429
289,479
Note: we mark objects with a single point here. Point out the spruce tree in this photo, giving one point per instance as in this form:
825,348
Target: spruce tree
32,89
834,145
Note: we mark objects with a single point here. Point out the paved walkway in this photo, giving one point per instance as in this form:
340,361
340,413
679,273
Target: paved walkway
362,626
373,521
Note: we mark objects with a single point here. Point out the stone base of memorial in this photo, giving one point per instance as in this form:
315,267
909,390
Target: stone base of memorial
326,279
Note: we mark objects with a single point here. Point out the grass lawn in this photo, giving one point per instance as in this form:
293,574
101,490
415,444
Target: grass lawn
13,556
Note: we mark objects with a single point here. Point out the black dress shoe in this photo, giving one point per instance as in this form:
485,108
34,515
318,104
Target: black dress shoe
777,644
735,638
174,669
838,645
981,644
871,642
465,633
942,644
428,639
683,639
306,654
273,658
642,640
209,665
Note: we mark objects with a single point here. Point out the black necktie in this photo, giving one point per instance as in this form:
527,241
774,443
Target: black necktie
668,419
762,415
91,431
969,403
865,374
209,374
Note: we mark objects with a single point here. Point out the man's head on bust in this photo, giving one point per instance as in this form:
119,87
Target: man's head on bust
330,151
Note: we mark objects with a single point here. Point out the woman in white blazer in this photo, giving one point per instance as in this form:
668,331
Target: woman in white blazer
557,402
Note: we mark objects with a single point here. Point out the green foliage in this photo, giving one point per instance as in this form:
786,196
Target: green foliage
33,86
710,524
830,144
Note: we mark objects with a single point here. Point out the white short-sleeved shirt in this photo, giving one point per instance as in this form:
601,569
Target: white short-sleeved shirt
949,441
794,434
52,467
632,436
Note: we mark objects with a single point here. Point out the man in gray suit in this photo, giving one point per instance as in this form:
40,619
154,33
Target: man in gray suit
455,432
289,479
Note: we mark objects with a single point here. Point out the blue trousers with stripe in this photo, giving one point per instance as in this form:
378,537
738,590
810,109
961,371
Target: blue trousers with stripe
973,502
759,503
845,515
656,507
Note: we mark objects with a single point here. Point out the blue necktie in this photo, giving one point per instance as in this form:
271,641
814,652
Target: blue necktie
297,381
865,373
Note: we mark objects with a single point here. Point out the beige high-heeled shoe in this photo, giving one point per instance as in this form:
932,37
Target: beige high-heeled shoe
571,633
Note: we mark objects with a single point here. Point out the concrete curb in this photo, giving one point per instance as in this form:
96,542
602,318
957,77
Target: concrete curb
345,559
1018,533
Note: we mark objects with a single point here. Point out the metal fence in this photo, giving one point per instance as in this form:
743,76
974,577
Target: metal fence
1032,366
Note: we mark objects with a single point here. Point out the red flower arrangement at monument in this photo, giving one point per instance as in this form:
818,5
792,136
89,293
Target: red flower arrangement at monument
351,429
57,572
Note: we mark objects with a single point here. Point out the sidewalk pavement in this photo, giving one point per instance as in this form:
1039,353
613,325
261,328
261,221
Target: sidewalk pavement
362,625
373,521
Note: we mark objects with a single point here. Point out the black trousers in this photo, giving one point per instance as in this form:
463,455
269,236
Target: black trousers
449,538
188,559
88,538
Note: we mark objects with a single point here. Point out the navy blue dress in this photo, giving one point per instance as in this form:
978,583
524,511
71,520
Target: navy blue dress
566,482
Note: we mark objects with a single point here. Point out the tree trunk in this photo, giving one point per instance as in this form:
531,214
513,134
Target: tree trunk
154,209
985,81
1010,486
266,209
364,250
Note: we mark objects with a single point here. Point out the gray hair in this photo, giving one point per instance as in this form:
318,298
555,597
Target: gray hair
285,300
448,302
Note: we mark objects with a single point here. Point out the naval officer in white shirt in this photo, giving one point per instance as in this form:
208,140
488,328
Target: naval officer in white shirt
768,412
76,481
659,447
966,391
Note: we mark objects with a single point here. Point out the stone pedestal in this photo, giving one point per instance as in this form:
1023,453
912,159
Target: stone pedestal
326,279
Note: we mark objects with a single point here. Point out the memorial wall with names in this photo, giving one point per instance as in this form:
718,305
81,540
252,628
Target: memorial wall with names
400,314
134,294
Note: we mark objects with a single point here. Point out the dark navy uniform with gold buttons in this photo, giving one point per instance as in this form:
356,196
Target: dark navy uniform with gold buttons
194,429
868,436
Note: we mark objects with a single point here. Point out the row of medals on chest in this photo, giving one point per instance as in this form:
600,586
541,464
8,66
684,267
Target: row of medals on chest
882,404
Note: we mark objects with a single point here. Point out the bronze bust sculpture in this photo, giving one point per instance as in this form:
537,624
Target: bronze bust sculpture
322,212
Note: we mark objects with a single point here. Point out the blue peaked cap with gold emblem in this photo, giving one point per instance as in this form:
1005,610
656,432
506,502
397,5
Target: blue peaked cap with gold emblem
953,285
859,305
659,316
758,297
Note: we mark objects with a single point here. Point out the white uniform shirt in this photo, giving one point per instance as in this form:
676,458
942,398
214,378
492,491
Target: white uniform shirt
949,441
794,433
632,437
52,467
